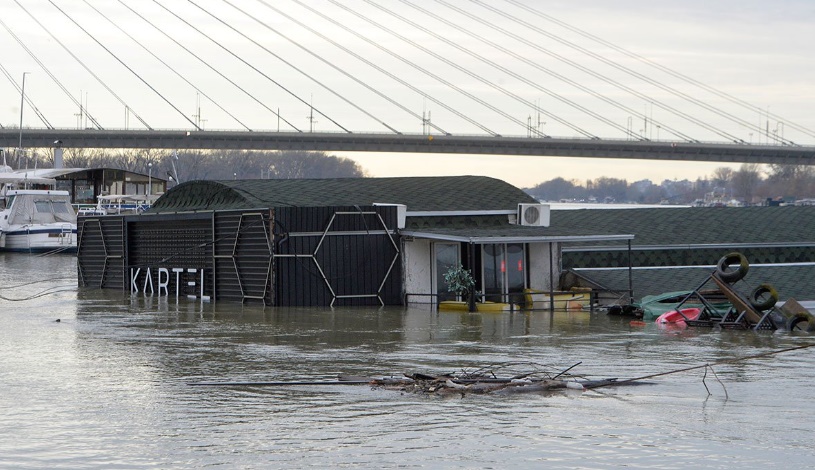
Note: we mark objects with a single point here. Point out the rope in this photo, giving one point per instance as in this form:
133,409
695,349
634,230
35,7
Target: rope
723,361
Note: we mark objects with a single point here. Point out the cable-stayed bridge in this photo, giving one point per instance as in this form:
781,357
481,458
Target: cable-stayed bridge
499,77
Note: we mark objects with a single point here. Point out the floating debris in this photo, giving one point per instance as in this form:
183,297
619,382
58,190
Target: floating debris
482,381
486,381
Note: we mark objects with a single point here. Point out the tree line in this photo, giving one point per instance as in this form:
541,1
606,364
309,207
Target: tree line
203,164
750,184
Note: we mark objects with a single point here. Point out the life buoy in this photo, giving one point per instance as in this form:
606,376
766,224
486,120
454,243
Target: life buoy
763,297
802,322
723,268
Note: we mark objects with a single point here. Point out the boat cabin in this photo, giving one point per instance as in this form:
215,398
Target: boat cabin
86,185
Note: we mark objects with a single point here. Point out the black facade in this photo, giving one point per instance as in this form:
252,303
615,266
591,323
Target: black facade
285,256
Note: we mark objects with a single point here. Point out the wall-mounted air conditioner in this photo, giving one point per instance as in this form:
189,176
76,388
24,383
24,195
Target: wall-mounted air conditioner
401,213
535,215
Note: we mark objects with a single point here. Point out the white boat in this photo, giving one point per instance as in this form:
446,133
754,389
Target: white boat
120,204
35,220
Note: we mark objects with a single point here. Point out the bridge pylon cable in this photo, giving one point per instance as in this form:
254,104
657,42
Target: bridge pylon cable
500,67
495,86
122,62
391,75
46,70
170,67
27,98
733,99
209,65
343,71
87,69
635,74
242,60
321,59
50,74
595,74
551,73
452,64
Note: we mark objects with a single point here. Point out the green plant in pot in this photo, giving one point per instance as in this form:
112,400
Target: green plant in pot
459,281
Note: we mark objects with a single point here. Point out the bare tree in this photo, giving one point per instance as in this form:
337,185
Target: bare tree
746,181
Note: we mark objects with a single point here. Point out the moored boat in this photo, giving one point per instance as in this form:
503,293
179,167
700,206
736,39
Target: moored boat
37,221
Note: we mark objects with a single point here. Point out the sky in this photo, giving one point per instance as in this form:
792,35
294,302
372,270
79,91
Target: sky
328,66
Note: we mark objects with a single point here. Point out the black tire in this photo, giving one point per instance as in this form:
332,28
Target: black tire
763,297
730,276
802,322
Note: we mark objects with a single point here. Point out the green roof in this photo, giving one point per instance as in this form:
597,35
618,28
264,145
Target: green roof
445,193
790,281
698,225
675,248
482,228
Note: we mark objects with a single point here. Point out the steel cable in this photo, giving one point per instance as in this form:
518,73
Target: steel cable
208,65
662,68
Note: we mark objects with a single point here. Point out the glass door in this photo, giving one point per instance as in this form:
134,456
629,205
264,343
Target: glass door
494,265
446,255
504,271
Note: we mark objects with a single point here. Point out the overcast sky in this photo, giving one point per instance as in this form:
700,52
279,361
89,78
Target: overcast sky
258,62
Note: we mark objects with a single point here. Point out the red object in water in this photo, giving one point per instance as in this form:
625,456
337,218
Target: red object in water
675,318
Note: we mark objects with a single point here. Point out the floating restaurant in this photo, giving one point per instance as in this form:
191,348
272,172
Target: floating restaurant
332,242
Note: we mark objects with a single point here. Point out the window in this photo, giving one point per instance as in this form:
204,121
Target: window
446,256
504,271
43,207
61,207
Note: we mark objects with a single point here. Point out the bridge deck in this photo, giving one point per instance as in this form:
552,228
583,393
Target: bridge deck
411,143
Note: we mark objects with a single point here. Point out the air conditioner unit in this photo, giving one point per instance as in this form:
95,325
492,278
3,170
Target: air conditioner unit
401,213
534,215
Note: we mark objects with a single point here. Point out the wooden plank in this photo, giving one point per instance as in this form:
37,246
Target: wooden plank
741,304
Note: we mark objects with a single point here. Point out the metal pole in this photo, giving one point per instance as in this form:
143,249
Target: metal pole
471,264
551,280
22,102
630,276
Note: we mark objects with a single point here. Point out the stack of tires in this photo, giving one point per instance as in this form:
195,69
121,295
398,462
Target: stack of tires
734,266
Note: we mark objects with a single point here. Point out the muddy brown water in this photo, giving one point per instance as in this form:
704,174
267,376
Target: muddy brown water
107,386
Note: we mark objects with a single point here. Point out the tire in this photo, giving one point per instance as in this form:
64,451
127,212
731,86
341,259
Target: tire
730,276
802,322
763,297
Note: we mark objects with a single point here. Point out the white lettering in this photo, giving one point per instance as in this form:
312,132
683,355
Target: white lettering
133,276
189,281
148,280
177,272
163,285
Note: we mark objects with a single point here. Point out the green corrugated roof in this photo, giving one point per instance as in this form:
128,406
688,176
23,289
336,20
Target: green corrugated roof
495,226
698,225
790,281
445,193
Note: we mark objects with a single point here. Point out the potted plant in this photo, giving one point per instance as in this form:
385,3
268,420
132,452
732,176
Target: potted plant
459,281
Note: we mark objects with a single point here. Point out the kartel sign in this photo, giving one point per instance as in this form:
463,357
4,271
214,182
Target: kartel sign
157,281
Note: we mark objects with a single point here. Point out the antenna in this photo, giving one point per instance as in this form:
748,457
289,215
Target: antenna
311,120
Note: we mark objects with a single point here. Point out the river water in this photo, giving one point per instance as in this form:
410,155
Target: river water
107,386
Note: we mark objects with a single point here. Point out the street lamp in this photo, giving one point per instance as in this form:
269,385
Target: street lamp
22,103
149,178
